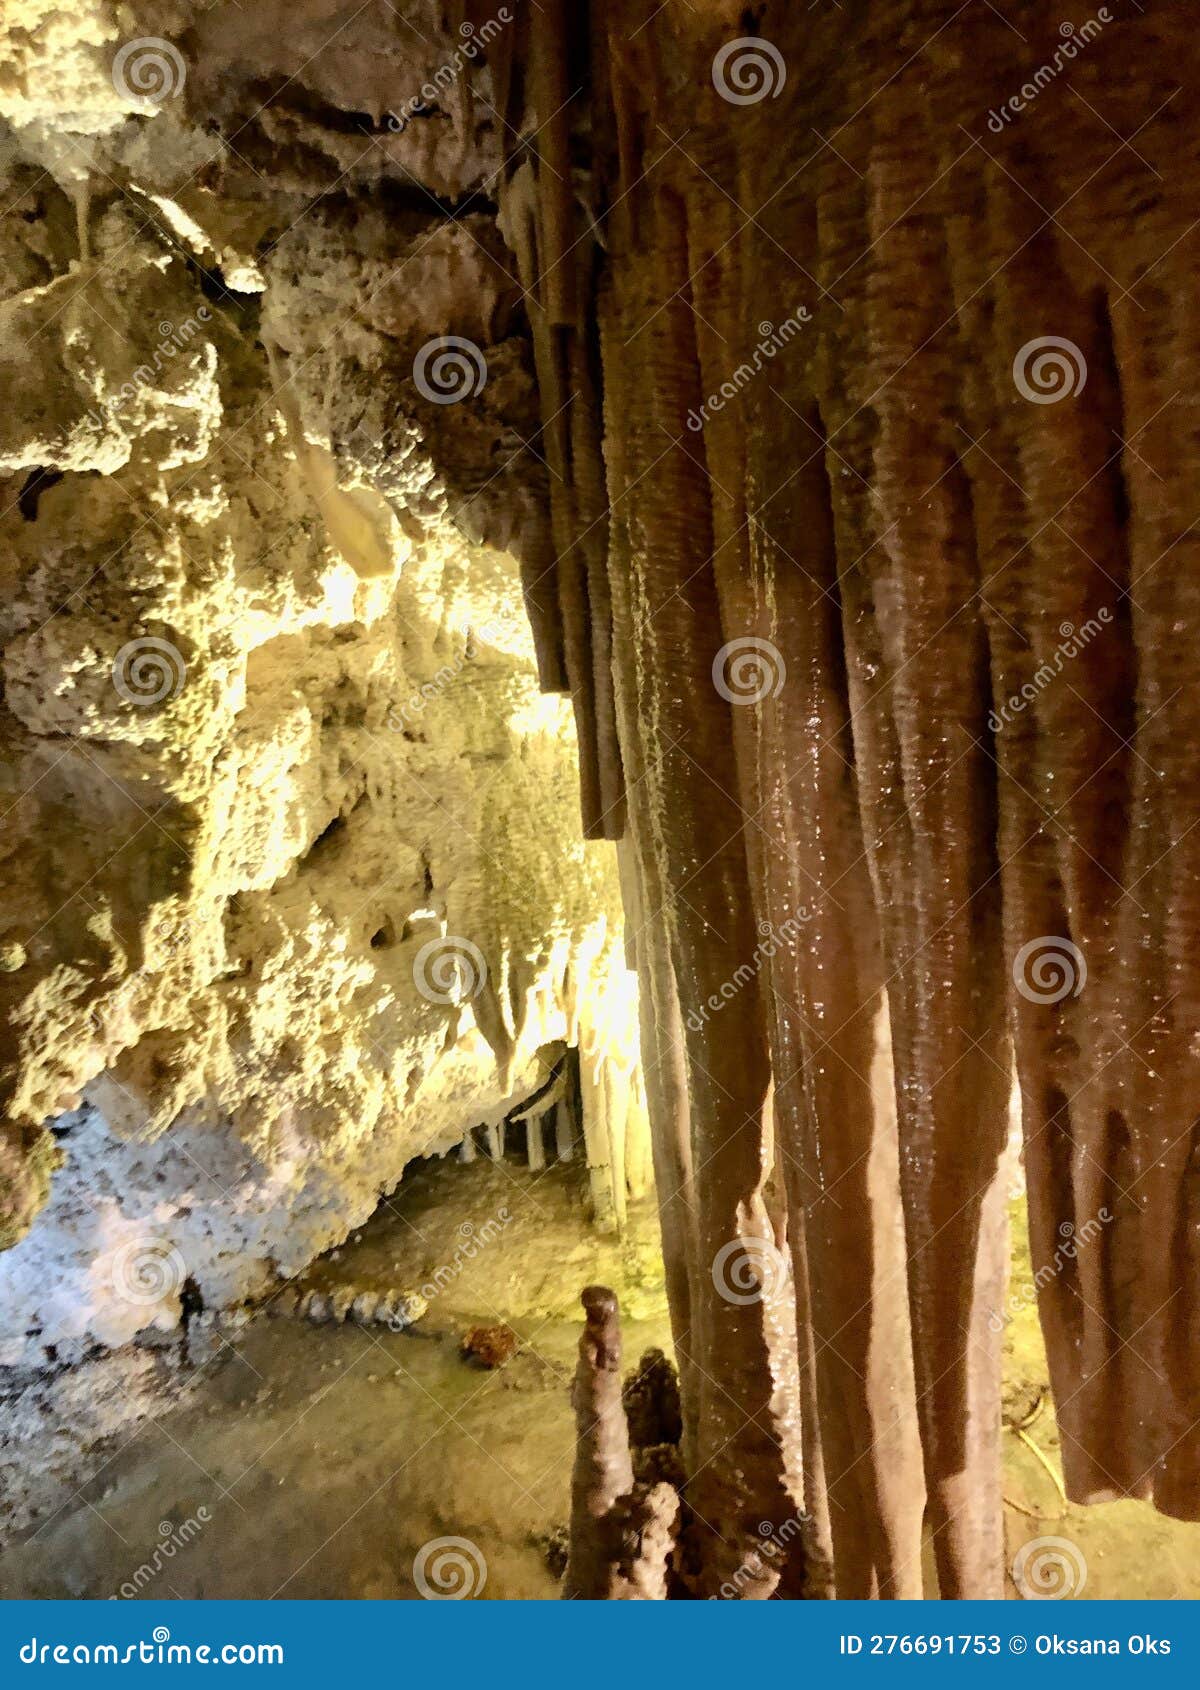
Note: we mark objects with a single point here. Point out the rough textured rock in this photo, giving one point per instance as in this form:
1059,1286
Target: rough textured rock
813,595
294,887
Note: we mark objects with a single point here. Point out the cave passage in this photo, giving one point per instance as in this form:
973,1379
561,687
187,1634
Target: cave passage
605,605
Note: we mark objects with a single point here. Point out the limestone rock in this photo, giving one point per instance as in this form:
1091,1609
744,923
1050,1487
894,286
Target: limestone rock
293,885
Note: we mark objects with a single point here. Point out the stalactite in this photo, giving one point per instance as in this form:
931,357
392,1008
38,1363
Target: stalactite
942,949
693,835
869,848
587,457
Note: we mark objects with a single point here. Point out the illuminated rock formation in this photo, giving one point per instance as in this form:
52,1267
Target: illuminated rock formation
295,889
855,513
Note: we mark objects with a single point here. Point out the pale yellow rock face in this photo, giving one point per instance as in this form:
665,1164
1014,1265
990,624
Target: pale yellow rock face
256,802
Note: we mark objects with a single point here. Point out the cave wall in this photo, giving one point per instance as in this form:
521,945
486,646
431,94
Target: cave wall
892,323
861,377
294,887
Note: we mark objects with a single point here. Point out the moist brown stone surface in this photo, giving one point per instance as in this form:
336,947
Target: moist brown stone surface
910,527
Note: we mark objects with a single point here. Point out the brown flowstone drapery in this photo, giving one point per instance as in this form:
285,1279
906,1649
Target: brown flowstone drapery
869,406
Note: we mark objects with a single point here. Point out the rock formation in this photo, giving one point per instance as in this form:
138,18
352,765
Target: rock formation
295,887
838,415
895,431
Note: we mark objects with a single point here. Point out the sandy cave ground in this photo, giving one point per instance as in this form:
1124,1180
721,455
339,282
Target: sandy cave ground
319,1460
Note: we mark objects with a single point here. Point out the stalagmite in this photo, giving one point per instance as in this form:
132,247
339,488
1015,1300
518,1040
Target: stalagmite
621,1534
603,1466
564,1131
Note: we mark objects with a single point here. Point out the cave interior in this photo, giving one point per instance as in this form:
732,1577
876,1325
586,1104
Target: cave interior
600,799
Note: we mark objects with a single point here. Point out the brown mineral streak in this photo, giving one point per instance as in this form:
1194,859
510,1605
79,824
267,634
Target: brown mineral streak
913,537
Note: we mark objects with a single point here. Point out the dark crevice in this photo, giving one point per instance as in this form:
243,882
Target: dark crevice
36,483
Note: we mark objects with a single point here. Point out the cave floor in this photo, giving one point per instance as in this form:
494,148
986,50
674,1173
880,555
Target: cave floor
301,1460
